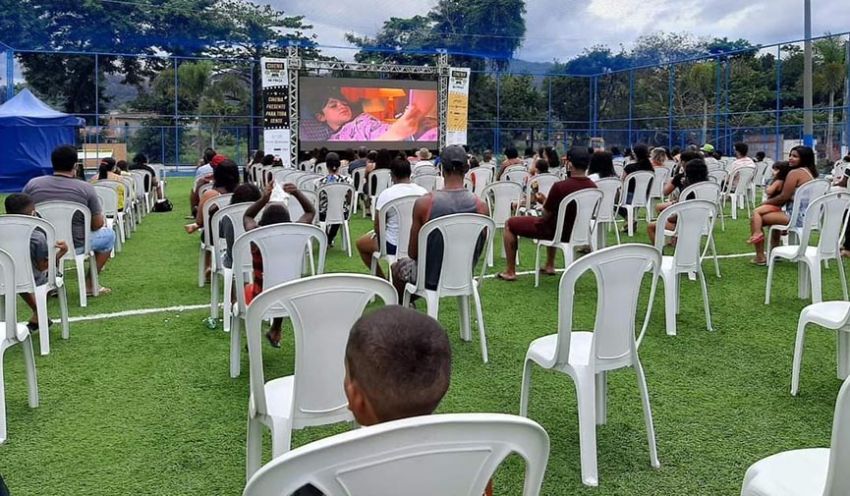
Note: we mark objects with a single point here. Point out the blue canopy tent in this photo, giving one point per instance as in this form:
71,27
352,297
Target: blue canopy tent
29,131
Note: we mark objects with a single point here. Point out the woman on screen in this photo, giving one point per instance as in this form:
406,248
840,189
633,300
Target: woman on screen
334,119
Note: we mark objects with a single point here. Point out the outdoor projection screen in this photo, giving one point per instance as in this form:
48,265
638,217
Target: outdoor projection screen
341,113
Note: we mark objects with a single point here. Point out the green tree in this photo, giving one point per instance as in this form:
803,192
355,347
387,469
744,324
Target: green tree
700,81
830,72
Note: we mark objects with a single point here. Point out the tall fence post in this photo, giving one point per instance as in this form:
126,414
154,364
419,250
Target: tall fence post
671,88
10,73
549,116
847,101
779,137
631,105
497,139
97,107
727,140
716,102
176,122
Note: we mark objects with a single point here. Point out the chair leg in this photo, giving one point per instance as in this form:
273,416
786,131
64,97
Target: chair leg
235,345
804,287
81,281
463,314
432,301
347,233
843,353
43,328
254,447
482,332
585,391
95,284
201,275
526,388
2,401
32,377
601,398
670,293
815,280
630,216
798,353
212,322
537,266
705,300
227,305
281,438
647,415
63,307
840,264
770,261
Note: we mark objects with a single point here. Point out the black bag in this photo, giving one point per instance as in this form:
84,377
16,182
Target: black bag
163,206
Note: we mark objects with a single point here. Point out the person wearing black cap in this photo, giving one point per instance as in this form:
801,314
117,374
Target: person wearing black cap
452,199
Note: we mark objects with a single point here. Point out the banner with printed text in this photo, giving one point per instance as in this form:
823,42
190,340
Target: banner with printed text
275,82
457,114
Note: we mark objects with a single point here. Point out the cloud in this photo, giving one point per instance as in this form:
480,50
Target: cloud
562,29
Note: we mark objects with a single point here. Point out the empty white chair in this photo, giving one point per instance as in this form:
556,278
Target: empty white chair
516,173
804,195
705,190
585,204
480,177
806,472
358,178
309,182
12,333
425,170
234,215
656,191
692,217
282,248
461,235
738,189
827,214
109,206
339,196
587,356
141,194
502,198
431,182
611,189
402,209
619,170
206,248
313,394
60,214
641,181
378,181
161,174
454,454
833,315
281,176
763,172
15,234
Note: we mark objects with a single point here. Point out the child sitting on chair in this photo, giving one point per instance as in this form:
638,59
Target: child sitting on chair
780,172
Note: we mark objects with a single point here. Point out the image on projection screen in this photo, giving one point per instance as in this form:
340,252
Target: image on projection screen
341,113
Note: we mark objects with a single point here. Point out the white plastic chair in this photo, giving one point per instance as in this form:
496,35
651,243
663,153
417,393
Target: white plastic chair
620,171
282,248
309,182
833,315
611,188
378,181
109,206
425,170
236,214
804,195
738,189
453,454
461,234
482,177
431,182
338,196
130,203
585,204
15,234
544,185
501,198
281,176
812,471
692,217
60,214
161,174
313,394
146,188
587,356
828,214
358,178
13,333
705,190
763,171
206,247
142,206
121,217
640,197
402,208
516,173
656,191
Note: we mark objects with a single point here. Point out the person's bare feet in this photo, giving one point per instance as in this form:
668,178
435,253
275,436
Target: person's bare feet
547,271
845,253
506,277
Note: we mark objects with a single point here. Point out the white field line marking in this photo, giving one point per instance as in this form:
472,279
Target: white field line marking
188,308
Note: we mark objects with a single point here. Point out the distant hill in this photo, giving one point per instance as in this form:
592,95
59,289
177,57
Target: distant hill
537,69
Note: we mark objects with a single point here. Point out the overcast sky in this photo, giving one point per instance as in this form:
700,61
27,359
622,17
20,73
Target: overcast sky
562,28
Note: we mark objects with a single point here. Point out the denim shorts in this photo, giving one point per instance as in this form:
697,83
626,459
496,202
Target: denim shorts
101,240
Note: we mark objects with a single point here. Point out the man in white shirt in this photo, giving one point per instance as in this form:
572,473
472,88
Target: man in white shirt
423,157
741,160
368,243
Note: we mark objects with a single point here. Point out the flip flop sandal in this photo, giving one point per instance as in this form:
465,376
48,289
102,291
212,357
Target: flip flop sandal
101,292
272,342
545,272
33,326
505,278
758,263
758,238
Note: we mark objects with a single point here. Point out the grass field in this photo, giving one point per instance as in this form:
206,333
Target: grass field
144,405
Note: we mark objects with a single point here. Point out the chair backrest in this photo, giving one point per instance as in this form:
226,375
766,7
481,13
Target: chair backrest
827,214
585,203
513,168
379,180
500,197
740,180
118,186
309,182
517,174
718,176
424,170
703,190
338,196
108,197
619,272
321,168
431,182
159,171
282,248
762,171
281,176
804,195
619,170
322,309
837,476
611,187
295,208
236,214
219,201
641,180
483,176
130,188
15,234
61,215
208,186
402,208
692,217
658,182
358,176
460,233
139,179
7,280
453,454
545,182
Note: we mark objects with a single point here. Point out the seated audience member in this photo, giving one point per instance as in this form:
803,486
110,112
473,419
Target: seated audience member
641,163
398,364
617,156
332,162
423,156
108,170
274,213
551,156
678,180
544,227
779,172
369,243
760,156
203,175
710,161
695,172
64,186
741,159
511,159
488,160
452,199
22,204
140,162
243,193
601,166
225,180
254,160
540,166
360,162
657,157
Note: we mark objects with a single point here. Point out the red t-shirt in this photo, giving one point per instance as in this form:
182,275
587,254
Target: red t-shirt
559,191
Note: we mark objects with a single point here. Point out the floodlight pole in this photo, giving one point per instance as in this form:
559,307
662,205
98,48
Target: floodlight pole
808,117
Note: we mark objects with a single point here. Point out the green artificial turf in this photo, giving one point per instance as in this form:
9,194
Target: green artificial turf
144,405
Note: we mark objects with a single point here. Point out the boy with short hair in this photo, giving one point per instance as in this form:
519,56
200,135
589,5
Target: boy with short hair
22,204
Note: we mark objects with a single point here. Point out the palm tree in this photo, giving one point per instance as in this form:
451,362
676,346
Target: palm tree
831,70
700,79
